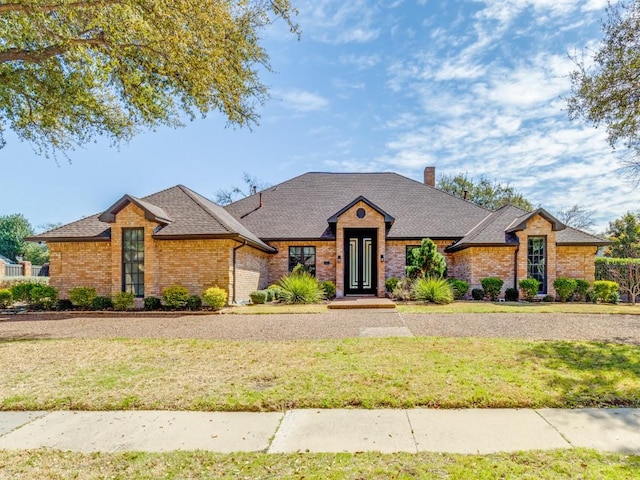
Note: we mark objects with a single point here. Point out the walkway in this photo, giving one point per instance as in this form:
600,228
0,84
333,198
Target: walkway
416,430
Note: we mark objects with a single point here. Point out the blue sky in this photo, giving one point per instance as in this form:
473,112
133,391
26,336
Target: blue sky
387,85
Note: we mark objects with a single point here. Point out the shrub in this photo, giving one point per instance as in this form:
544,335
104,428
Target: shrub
426,261
102,303
215,297
477,294
548,298
194,302
459,288
329,288
21,292
391,283
123,301
258,297
624,271
605,291
432,289
511,294
564,288
529,287
43,297
580,293
275,290
152,303
175,297
64,304
82,296
6,298
301,288
404,290
270,295
492,287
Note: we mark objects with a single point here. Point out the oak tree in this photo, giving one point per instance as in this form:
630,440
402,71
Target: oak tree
484,192
605,87
72,70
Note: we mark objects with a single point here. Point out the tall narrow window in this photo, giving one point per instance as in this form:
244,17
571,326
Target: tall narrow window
536,261
305,256
133,261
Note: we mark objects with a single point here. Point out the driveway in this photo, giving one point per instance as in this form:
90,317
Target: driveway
332,324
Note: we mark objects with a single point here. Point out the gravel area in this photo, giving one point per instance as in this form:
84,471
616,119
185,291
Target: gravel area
333,324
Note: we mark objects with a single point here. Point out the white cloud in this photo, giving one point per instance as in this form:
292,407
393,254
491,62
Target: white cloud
302,101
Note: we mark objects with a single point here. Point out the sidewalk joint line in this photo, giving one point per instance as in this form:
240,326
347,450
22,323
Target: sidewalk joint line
554,427
273,437
413,434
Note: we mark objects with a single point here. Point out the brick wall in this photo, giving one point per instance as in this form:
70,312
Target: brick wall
475,263
252,272
80,264
278,264
576,262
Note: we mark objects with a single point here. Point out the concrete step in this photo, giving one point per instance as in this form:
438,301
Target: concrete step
350,303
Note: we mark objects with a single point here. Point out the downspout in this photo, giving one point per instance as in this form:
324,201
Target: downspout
515,267
234,268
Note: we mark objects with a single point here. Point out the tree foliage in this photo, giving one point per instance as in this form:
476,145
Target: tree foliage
624,271
252,185
426,261
624,232
13,230
605,88
486,193
73,70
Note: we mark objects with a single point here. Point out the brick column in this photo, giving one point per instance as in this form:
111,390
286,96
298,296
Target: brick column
26,268
3,270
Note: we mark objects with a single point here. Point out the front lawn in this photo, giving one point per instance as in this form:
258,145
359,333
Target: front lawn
552,465
520,307
94,374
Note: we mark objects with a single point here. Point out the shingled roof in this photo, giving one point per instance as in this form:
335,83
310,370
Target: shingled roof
179,211
300,208
499,227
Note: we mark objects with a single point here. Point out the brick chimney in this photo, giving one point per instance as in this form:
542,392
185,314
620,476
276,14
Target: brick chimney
430,176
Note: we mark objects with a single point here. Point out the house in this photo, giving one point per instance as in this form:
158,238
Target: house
354,229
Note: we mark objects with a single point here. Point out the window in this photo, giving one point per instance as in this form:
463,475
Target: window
536,261
407,256
305,256
133,261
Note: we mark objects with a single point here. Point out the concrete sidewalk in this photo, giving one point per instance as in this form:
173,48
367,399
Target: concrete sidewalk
454,431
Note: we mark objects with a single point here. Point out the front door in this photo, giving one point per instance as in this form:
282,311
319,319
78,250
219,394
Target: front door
360,270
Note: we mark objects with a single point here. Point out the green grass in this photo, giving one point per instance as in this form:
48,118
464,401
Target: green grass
520,307
272,308
550,465
88,374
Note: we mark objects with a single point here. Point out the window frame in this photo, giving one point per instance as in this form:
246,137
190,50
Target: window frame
134,283
537,257
302,258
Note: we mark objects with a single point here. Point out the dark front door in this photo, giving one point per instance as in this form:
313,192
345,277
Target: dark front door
360,269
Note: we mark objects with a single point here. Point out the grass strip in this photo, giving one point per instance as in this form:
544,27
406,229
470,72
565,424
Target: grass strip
520,307
560,464
98,374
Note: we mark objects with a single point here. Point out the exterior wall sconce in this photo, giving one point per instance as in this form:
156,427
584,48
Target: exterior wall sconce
339,259
382,257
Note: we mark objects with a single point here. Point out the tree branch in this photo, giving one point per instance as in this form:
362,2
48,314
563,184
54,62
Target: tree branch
22,8
37,56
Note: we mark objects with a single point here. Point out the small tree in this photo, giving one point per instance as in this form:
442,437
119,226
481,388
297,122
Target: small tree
426,261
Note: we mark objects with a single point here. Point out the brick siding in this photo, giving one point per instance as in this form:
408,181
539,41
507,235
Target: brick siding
325,252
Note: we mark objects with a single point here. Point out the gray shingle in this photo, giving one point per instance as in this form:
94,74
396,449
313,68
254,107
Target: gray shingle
300,207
